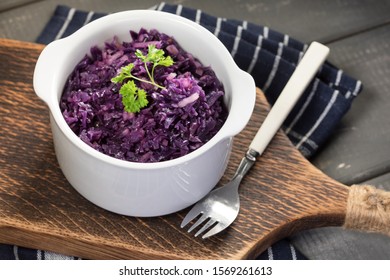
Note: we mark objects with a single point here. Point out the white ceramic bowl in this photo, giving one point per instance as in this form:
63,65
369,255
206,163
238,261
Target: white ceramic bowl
143,189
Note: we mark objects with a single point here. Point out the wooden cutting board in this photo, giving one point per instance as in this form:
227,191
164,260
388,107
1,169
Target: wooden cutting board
282,194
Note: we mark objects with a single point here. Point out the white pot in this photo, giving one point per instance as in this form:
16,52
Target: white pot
143,189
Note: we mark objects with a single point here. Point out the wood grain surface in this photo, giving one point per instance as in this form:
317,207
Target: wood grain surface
359,151
281,195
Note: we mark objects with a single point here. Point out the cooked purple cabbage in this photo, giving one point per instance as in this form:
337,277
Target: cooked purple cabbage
178,119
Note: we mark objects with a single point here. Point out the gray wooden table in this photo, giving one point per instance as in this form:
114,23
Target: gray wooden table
358,34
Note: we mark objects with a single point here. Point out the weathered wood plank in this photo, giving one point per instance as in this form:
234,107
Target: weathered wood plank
359,149
382,182
10,4
304,20
334,243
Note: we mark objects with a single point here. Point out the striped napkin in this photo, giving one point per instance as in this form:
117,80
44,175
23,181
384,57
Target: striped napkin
270,57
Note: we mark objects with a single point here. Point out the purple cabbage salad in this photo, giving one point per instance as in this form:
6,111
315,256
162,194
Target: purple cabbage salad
180,102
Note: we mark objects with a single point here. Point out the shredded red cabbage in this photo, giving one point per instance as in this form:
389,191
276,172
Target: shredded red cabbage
178,119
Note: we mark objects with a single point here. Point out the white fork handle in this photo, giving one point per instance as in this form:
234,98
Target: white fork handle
303,74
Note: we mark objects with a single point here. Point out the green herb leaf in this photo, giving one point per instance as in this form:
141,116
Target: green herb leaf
133,97
167,61
140,55
156,58
124,74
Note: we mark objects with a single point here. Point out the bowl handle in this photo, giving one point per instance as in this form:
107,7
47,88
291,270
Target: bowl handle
243,105
45,74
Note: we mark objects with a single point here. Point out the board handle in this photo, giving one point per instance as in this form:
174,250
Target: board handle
368,209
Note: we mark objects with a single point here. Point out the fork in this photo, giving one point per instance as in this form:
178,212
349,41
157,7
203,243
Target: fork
219,209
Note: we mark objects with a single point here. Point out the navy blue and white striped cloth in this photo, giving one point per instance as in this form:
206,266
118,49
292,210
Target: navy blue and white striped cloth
270,57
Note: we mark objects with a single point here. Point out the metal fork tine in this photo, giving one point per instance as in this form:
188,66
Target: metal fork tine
206,226
216,229
190,216
198,222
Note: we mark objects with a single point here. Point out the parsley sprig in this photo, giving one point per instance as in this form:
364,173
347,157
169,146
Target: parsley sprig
157,58
133,97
